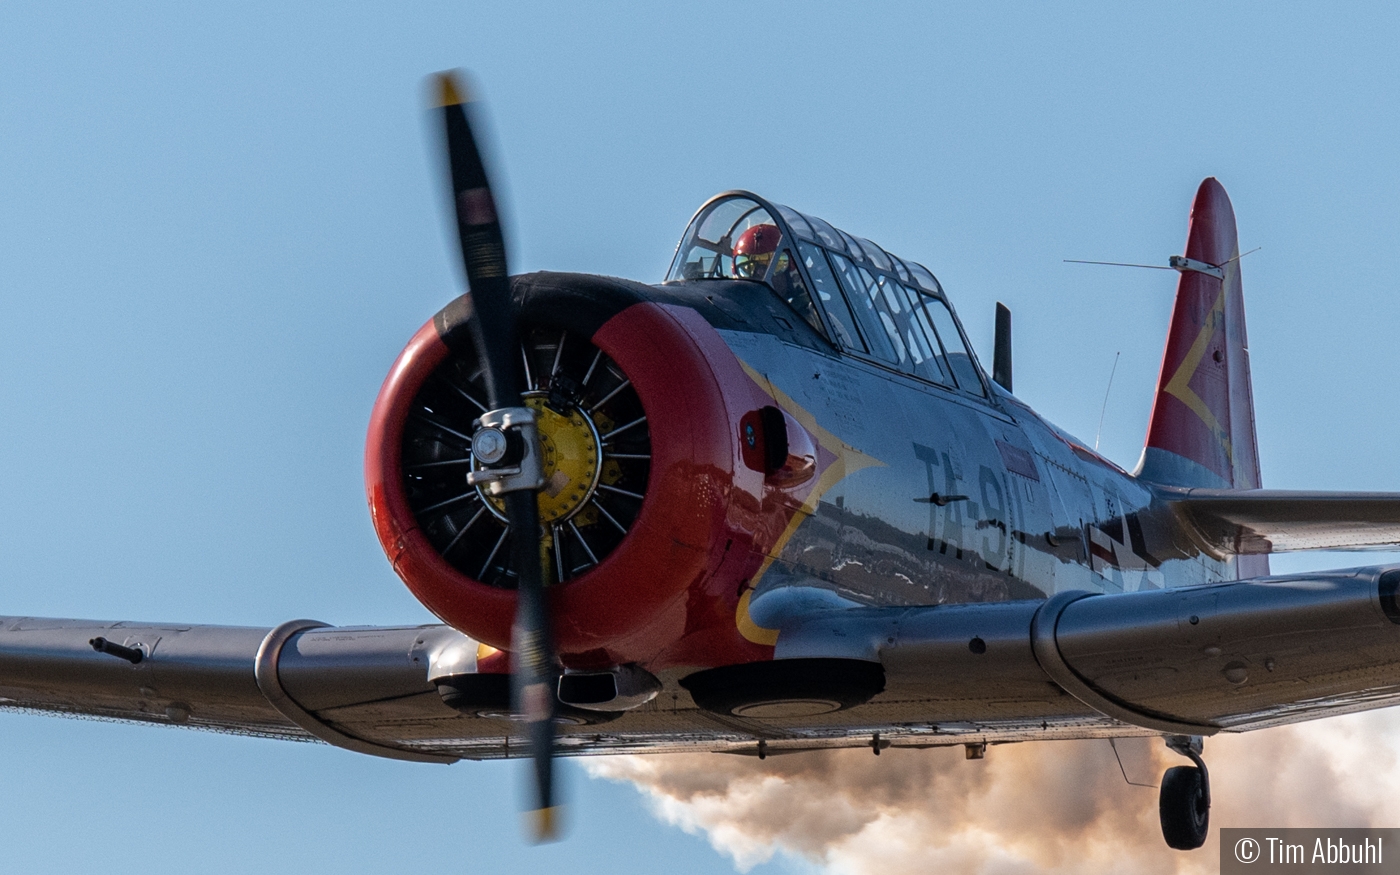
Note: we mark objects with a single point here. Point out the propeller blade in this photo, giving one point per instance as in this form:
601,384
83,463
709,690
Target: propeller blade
483,250
533,675
496,332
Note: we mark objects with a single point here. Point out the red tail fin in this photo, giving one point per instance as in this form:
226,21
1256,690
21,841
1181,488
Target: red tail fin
1202,427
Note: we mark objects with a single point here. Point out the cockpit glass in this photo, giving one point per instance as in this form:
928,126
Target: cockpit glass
832,298
959,359
863,299
786,280
874,253
851,245
869,317
796,222
827,234
735,238
924,278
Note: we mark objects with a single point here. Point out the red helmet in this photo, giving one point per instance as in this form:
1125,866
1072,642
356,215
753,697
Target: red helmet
754,250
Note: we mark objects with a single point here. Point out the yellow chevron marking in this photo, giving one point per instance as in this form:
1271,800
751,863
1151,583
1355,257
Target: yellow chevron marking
1179,385
848,461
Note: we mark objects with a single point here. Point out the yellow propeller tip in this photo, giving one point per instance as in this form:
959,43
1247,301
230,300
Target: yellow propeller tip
544,824
449,93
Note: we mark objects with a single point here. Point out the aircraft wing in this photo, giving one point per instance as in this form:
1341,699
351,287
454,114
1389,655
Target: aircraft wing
1194,661
365,689
1191,661
1279,521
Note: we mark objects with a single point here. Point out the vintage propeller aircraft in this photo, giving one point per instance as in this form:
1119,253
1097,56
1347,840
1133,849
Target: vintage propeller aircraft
774,504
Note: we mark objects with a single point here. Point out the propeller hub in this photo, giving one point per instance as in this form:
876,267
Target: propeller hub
489,445
572,456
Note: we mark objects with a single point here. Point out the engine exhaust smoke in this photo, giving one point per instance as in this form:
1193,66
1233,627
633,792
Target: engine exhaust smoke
1048,807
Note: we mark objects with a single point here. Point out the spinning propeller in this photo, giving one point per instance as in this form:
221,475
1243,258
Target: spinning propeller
506,443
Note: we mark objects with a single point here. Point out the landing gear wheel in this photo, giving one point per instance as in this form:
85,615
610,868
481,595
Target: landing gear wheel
1184,805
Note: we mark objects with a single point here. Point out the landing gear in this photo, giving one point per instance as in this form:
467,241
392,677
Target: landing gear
1184,804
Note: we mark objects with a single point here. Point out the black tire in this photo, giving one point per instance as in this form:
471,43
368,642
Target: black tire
1183,808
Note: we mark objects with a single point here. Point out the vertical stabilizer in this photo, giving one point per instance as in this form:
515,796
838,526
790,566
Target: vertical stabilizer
1202,427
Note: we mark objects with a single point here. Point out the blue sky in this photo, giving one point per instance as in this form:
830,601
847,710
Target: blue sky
218,226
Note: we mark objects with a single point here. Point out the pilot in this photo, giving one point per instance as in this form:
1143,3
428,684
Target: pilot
754,251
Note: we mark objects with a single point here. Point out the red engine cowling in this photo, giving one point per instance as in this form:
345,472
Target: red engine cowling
655,524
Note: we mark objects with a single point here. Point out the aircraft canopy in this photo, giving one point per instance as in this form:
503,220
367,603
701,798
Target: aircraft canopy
867,301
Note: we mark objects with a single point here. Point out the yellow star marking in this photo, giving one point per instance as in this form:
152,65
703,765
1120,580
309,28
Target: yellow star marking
1179,385
848,461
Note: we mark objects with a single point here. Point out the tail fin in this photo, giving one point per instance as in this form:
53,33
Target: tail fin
1202,427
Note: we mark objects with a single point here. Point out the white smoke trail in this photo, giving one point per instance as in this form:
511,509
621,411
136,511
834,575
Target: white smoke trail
1050,807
